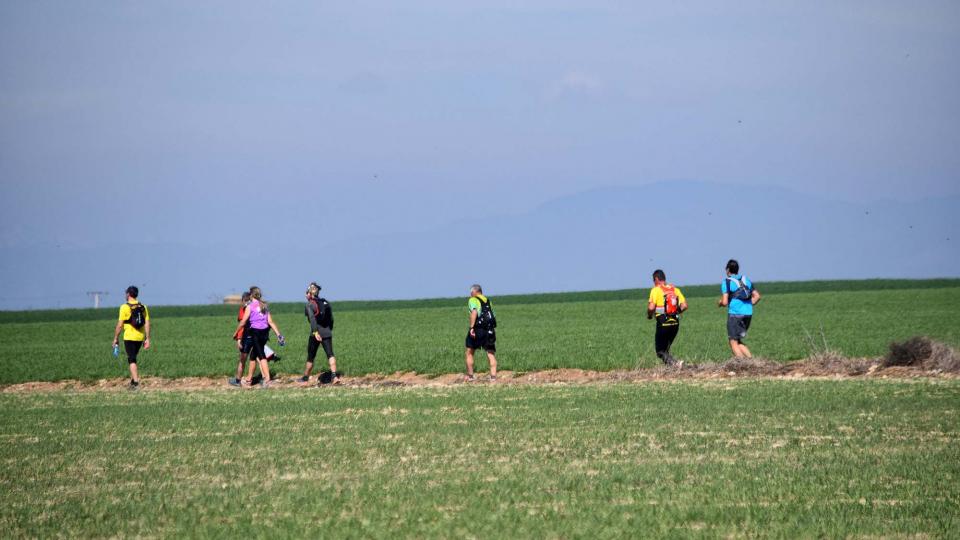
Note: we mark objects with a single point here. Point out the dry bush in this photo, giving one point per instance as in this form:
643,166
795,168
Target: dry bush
753,366
832,363
923,352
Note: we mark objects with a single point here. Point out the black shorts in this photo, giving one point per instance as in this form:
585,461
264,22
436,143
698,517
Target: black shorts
737,326
246,343
258,340
133,349
313,346
486,339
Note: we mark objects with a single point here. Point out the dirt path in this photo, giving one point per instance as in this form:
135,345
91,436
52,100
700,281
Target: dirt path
819,367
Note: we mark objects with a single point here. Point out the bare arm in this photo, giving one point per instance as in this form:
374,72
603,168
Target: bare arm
755,297
683,307
473,320
273,325
146,332
116,332
243,320
724,300
651,309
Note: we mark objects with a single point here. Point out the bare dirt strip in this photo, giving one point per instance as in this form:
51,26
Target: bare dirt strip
824,366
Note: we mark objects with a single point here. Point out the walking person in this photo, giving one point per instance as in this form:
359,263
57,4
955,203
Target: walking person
739,296
257,313
320,316
482,332
134,322
666,303
244,341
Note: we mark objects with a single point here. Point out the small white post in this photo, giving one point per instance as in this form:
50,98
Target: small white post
96,297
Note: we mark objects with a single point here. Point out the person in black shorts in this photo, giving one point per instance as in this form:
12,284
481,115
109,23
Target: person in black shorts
482,332
134,323
320,316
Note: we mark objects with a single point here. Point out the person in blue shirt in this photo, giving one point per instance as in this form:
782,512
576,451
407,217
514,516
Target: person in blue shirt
739,296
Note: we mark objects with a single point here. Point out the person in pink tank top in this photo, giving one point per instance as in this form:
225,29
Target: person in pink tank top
258,315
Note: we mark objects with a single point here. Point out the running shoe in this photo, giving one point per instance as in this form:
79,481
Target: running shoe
234,382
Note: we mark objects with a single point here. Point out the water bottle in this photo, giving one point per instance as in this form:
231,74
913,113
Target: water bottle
116,350
281,341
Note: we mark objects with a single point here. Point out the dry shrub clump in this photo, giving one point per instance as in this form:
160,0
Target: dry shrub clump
923,352
832,363
753,366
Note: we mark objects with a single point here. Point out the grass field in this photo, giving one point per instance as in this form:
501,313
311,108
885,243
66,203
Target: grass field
601,330
747,458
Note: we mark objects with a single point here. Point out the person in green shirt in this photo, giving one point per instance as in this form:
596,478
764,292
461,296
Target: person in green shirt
482,332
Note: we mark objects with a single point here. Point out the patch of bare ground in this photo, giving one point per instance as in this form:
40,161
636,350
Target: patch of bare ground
915,357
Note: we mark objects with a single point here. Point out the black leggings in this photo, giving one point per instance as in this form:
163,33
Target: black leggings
663,339
259,338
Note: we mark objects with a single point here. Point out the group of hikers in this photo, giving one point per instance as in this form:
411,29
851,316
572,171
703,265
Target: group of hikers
665,305
253,332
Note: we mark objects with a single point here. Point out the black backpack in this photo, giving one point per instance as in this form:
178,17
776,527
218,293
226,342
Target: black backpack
486,319
742,292
322,312
138,316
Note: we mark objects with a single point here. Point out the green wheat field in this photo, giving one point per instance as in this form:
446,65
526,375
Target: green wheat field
851,458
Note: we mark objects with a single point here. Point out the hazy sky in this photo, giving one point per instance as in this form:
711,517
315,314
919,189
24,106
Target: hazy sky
245,123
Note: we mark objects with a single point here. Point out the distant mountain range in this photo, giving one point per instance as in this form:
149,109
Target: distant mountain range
601,239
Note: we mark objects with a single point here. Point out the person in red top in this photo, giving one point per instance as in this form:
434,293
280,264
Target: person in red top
244,341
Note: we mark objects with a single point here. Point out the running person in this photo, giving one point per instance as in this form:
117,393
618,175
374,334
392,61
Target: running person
739,297
320,316
134,321
257,313
244,341
666,302
482,332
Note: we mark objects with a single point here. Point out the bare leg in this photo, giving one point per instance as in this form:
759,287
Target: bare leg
493,363
265,369
735,347
134,373
242,363
469,362
308,369
251,367
744,351
332,361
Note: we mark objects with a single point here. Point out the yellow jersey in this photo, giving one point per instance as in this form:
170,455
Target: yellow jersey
129,332
657,297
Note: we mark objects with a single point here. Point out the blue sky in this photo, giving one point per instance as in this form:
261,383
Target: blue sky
244,126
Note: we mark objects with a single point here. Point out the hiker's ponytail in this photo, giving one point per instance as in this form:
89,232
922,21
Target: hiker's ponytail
257,295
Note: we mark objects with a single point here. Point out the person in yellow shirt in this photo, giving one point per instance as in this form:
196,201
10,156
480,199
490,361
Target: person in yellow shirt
666,303
134,321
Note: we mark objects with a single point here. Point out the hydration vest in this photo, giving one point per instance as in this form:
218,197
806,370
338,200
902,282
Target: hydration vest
322,312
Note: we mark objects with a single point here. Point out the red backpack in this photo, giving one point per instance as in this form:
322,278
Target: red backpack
671,303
